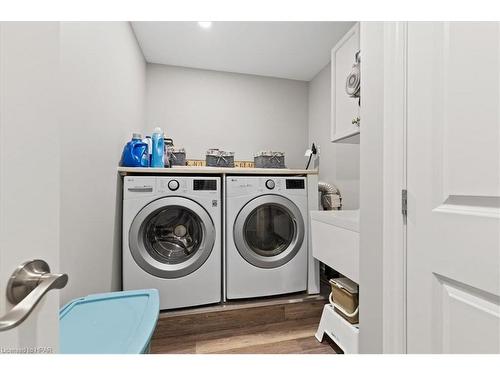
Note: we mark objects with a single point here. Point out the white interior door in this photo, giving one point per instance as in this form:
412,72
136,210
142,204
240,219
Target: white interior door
29,173
453,263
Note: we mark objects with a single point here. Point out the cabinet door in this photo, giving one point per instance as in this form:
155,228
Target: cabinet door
453,259
344,108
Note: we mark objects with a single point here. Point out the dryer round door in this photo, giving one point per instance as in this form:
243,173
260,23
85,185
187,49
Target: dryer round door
269,231
171,237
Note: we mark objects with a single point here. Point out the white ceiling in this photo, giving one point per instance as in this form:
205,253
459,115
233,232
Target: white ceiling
294,50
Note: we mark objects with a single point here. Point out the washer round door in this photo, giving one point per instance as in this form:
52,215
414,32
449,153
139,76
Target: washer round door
269,231
171,237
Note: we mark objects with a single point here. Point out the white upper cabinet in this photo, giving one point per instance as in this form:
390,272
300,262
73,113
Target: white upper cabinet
345,123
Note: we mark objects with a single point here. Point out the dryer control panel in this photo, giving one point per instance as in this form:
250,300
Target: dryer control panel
248,185
295,184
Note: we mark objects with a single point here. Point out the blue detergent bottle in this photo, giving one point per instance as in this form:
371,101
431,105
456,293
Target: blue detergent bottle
158,154
135,153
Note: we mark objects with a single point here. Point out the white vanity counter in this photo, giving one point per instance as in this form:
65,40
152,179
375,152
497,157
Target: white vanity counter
347,219
335,240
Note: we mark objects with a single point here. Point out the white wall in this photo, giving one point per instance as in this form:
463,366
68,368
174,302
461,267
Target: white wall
339,162
103,77
203,109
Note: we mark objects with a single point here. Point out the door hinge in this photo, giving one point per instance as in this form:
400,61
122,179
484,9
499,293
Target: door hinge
404,202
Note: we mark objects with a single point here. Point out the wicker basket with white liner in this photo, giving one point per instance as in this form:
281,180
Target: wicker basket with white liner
345,298
269,159
218,158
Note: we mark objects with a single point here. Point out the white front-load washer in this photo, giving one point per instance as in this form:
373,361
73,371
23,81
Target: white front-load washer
172,238
266,236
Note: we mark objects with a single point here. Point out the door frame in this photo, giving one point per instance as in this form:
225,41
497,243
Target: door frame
394,182
371,218
382,265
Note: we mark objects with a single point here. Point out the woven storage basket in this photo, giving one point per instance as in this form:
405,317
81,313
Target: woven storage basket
344,298
269,159
219,158
176,156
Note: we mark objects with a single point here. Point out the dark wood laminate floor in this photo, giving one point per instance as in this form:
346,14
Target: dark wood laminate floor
284,325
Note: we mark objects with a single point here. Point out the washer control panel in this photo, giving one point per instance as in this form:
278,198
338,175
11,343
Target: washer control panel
180,185
173,185
204,184
270,184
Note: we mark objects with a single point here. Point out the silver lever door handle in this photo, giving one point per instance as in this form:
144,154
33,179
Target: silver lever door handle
26,287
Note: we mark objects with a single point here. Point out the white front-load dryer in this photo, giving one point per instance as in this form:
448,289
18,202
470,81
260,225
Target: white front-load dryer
172,238
266,236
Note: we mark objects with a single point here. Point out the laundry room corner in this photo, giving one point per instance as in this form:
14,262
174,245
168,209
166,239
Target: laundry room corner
339,162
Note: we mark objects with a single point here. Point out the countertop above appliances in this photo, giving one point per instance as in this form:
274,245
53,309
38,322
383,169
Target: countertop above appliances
125,171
